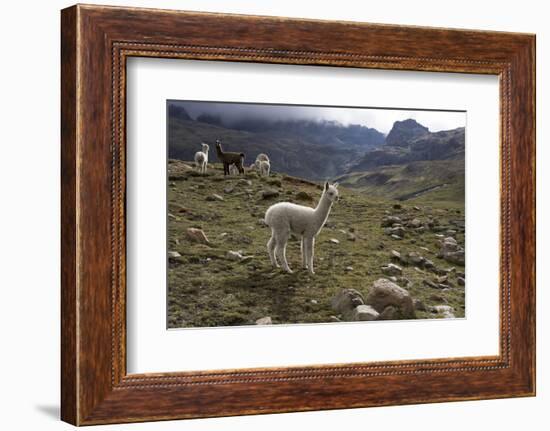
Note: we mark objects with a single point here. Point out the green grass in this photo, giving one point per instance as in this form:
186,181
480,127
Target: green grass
207,289
403,180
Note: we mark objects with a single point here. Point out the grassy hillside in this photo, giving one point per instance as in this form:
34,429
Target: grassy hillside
206,287
422,181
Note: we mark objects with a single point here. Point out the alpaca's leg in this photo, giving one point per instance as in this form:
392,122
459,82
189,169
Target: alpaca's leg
205,166
310,244
280,250
303,251
271,250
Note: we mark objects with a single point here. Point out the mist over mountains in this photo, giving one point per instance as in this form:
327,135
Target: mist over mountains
311,148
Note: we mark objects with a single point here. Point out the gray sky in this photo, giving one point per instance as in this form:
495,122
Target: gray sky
380,119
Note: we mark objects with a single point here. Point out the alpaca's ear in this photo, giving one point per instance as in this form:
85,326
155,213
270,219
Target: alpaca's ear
326,185
335,185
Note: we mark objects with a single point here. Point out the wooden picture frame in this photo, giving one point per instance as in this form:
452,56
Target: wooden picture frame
95,43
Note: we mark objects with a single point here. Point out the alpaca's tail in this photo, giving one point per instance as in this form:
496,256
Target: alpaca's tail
268,216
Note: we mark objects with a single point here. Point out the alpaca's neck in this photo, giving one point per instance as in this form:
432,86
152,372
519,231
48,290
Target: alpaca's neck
219,151
322,210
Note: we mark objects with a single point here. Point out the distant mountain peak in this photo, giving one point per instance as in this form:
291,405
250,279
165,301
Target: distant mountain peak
404,131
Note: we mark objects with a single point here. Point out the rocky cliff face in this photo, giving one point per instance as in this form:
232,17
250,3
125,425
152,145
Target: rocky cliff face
403,132
409,141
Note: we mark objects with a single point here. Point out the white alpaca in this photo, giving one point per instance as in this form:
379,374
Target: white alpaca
201,158
233,170
285,218
262,164
263,167
262,156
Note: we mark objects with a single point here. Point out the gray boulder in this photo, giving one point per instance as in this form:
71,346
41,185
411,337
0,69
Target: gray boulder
451,251
389,221
364,313
384,293
392,269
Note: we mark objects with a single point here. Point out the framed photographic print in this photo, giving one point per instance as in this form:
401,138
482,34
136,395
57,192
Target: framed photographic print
331,214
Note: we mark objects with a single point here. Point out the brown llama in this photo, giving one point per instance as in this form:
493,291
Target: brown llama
228,159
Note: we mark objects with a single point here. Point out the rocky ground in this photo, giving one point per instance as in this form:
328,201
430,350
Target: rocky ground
375,258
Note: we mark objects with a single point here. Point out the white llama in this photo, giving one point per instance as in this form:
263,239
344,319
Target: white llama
201,158
285,218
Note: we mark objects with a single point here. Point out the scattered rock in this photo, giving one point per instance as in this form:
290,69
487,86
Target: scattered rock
228,189
392,269
397,206
389,313
430,283
364,313
413,258
245,182
314,301
345,301
270,193
428,264
416,208
461,281
414,223
396,237
397,230
451,251
419,305
351,236
197,235
264,321
349,268
384,293
214,197
173,254
234,255
389,221
395,255
334,241
437,298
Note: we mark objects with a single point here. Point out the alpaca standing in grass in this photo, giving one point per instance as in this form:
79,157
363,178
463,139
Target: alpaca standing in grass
262,164
201,158
263,167
285,218
229,159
